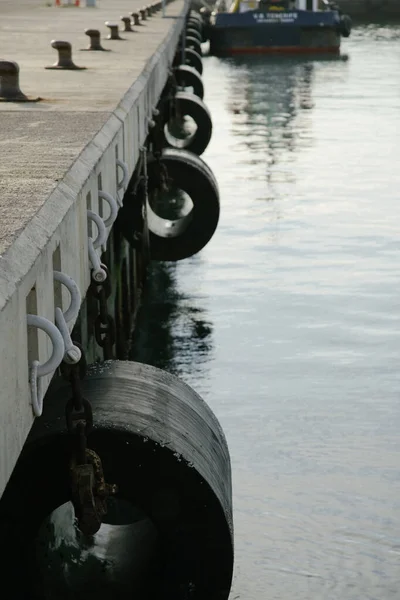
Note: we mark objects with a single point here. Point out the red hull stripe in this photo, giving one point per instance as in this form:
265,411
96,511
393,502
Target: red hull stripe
279,50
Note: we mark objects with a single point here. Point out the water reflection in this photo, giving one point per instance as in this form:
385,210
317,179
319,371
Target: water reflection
270,104
173,331
301,287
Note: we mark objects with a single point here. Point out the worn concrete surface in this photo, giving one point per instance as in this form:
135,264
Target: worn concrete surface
37,143
55,157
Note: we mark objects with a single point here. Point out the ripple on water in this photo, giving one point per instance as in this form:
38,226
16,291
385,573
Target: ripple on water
288,322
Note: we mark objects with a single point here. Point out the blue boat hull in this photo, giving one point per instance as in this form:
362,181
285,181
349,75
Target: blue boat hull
263,32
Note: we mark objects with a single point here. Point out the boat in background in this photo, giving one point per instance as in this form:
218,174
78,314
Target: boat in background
275,26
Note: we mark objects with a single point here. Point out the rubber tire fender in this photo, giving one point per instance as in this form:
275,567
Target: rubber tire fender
192,175
188,77
195,23
153,433
345,26
191,42
194,13
190,32
192,106
198,27
194,27
195,16
192,59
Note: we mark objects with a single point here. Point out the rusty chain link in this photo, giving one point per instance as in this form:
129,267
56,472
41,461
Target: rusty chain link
157,143
88,489
104,325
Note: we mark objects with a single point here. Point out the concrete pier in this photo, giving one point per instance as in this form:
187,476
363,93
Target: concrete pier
57,152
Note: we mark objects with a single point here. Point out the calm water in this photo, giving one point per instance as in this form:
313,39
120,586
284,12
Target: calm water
288,322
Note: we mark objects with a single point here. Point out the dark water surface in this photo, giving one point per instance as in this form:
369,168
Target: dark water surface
288,322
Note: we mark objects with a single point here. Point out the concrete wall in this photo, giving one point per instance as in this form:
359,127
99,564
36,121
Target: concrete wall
56,238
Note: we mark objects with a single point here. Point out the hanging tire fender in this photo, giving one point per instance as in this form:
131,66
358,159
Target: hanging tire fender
194,14
163,447
192,106
195,20
196,25
192,59
188,77
180,239
191,42
345,26
194,33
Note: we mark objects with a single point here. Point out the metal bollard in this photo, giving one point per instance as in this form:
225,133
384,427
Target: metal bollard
65,61
95,44
114,32
136,18
9,83
127,23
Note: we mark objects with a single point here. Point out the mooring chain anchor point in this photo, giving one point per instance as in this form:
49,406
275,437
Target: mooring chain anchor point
90,493
9,83
89,490
104,325
65,62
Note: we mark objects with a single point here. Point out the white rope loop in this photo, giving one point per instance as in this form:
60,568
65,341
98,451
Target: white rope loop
113,207
72,353
125,174
38,370
101,229
98,273
75,304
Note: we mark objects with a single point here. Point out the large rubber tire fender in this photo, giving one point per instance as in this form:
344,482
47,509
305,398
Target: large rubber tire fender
194,33
192,59
191,42
191,105
153,433
195,25
192,26
188,77
345,26
192,175
195,18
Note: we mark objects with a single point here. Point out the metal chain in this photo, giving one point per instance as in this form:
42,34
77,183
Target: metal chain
104,325
140,170
88,488
173,105
156,139
145,232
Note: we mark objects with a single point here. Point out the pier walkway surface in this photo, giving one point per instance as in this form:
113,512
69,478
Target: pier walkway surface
56,154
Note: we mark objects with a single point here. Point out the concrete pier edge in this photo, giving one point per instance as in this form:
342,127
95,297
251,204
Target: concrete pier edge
59,228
